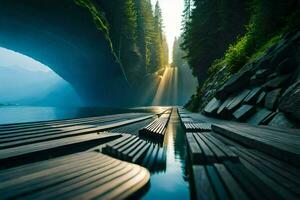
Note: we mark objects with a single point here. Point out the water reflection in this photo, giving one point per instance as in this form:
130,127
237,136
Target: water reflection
172,184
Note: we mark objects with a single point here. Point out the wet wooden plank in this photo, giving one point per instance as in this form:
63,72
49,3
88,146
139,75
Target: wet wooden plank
263,174
135,150
156,130
205,149
202,184
75,121
75,131
65,178
275,143
195,151
231,184
196,127
43,150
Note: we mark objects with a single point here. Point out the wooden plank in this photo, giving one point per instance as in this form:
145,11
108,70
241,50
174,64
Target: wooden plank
260,186
283,165
202,184
286,179
137,156
220,155
207,153
48,127
156,129
194,149
137,151
230,155
71,133
197,127
232,186
26,125
51,146
217,183
284,149
103,177
275,186
236,170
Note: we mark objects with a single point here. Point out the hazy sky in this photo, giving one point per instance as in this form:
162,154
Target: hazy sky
10,58
172,14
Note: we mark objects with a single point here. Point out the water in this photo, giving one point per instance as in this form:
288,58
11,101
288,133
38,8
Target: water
173,183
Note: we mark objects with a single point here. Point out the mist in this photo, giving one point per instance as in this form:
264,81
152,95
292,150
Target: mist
24,81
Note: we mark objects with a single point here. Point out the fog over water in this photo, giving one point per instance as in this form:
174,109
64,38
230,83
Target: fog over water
24,81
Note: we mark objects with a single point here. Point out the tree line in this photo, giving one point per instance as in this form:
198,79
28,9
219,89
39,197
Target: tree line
219,33
136,31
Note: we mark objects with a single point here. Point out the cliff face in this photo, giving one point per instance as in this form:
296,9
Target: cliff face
63,36
264,91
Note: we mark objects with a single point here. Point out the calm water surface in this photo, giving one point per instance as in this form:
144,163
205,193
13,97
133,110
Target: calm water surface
173,183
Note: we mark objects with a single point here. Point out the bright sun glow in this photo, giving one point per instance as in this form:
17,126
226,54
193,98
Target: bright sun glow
172,16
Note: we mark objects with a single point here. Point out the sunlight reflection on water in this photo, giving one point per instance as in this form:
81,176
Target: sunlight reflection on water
171,184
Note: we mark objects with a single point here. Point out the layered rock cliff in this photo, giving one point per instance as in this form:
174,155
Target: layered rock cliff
265,91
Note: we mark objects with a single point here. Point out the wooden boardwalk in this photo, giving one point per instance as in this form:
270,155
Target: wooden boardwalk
86,175
239,161
133,149
62,159
155,131
111,157
28,142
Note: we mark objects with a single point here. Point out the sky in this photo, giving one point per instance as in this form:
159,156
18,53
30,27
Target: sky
172,14
11,58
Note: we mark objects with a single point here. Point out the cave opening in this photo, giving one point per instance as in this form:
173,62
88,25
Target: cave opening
27,82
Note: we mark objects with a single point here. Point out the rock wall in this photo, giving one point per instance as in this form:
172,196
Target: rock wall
266,91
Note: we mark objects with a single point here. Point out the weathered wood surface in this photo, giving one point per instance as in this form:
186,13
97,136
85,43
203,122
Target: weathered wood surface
132,129
266,164
133,149
43,150
27,144
67,122
156,129
206,149
276,143
88,175
196,127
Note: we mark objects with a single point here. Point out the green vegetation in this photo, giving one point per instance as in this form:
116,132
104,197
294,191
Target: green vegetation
209,28
178,53
134,32
220,37
102,25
